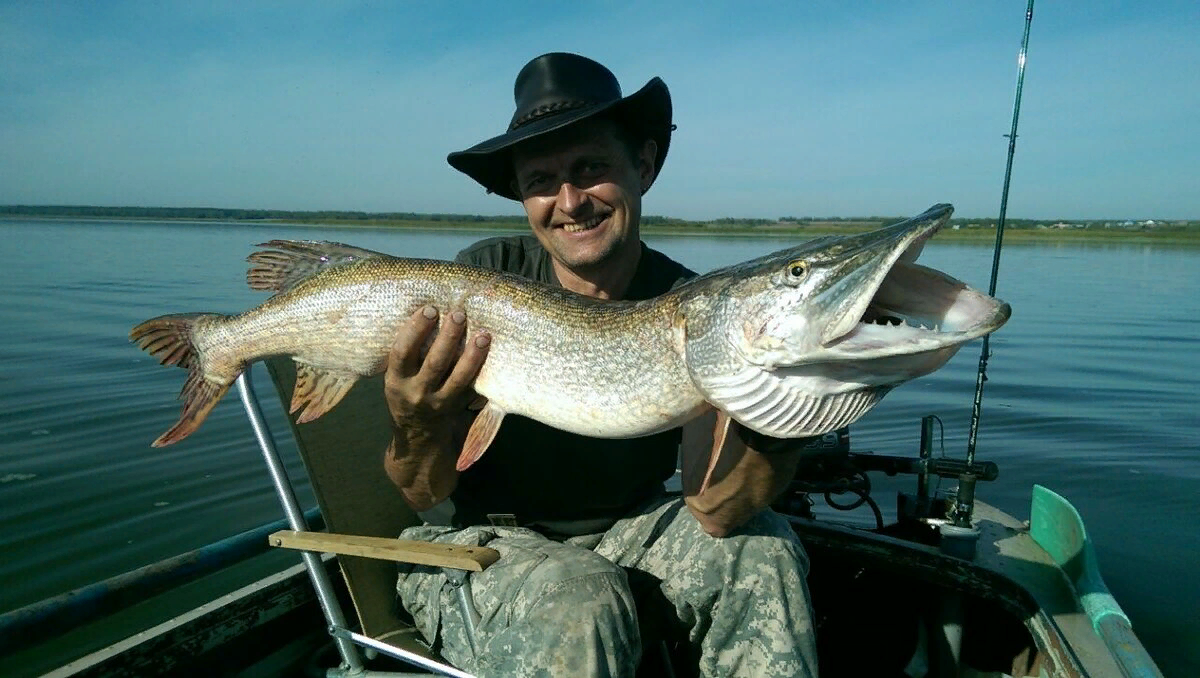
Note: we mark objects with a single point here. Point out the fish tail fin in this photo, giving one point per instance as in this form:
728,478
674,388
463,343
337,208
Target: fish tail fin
199,397
169,339
290,261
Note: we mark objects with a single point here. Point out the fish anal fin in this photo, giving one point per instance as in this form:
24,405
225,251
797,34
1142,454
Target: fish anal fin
480,436
318,391
290,261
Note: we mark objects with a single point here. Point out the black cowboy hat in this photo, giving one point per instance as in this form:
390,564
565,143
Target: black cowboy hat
556,90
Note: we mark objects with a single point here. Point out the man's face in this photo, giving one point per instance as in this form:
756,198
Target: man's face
582,192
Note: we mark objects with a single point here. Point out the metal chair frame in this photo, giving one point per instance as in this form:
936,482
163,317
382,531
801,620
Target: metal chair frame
346,639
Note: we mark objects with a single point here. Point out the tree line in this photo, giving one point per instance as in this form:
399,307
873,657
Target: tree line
353,216
233,214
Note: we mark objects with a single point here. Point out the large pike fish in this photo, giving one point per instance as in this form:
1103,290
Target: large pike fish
792,344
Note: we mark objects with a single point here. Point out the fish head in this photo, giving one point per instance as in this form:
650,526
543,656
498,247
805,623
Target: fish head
858,298
835,322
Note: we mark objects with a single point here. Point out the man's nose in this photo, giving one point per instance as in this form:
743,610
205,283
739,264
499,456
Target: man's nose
571,198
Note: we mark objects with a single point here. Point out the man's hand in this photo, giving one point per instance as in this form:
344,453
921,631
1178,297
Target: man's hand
435,384
427,395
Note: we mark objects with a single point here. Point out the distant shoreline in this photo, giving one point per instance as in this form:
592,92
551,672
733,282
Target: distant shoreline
729,229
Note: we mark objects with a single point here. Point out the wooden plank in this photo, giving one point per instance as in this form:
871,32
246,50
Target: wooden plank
473,558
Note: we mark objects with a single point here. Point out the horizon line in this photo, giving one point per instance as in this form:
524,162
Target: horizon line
13,210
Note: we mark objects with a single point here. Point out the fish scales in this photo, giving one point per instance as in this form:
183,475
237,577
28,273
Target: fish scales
607,369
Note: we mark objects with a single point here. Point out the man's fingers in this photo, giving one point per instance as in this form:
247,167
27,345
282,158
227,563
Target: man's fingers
468,365
405,358
440,376
443,352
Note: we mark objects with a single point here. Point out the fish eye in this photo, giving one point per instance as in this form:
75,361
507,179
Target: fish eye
798,269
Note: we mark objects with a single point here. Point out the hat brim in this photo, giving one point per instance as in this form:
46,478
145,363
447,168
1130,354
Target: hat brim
647,110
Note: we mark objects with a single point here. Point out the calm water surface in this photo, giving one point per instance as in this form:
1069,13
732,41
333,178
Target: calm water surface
1092,392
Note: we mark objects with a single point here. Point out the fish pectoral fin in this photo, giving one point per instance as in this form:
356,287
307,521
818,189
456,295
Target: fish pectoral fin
480,436
721,449
317,391
704,461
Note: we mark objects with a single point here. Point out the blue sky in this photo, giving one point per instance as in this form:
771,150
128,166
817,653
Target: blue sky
802,109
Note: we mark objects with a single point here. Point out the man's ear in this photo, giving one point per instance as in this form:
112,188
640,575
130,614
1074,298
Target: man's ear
646,159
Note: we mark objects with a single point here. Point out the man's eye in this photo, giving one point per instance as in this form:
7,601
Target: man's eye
595,168
535,183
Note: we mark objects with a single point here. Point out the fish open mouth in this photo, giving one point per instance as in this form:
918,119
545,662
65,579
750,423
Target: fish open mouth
916,297
911,308
917,308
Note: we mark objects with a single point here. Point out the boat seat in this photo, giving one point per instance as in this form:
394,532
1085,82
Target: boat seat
342,453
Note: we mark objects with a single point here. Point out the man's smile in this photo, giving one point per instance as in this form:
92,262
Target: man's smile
585,225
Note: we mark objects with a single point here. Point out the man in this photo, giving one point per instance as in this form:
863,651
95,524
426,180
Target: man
575,518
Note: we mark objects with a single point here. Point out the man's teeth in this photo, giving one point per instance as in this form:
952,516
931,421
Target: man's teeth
584,225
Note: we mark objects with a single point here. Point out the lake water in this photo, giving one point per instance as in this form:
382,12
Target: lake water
1092,392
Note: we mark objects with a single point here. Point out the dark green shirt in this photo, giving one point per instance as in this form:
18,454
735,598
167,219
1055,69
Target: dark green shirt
539,473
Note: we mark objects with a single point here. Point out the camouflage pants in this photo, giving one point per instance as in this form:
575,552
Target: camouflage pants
565,609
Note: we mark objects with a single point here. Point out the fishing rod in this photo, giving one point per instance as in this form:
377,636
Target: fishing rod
964,503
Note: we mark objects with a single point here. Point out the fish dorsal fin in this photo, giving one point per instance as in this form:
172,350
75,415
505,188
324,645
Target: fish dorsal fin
784,405
290,261
317,391
480,436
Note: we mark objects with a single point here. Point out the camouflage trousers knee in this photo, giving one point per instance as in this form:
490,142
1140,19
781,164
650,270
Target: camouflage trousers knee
552,608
